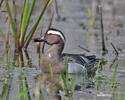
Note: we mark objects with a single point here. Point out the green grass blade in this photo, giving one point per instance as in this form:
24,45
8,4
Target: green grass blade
124,96
5,88
123,86
2,34
98,65
27,95
67,74
51,71
119,95
91,17
32,31
21,94
12,22
29,13
112,79
22,14
8,58
25,18
114,73
23,23
6,38
21,89
64,82
73,85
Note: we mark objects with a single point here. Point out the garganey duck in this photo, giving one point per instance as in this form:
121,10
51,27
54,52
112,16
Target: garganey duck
57,59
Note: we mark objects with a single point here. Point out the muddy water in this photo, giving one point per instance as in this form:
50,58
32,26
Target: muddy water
75,24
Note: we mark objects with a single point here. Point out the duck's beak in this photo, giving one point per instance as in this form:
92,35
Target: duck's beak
39,39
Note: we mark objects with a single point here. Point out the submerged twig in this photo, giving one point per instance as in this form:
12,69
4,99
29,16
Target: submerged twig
39,44
28,60
83,48
57,11
114,49
1,3
116,57
51,20
43,46
50,24
102,30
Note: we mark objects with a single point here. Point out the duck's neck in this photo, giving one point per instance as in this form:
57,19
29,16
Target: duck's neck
55,51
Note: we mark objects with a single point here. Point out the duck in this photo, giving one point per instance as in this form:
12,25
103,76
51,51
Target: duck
58,60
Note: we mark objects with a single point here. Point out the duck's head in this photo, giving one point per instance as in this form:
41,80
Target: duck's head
51,37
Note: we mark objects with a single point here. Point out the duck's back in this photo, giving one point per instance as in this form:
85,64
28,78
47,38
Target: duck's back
79,62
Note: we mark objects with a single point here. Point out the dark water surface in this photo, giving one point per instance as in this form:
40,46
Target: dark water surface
75,24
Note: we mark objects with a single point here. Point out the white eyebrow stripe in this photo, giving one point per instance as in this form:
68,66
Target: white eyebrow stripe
57,33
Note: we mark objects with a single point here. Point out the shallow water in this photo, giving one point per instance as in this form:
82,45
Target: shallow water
76,28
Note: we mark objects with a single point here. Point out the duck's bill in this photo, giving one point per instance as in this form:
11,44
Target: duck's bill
39,39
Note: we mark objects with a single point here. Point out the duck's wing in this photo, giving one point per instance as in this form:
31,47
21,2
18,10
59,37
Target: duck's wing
87,61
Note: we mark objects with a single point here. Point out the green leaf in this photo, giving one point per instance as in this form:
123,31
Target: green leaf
114,72
24,17
73,85
12,22
29,14
67,74
91,17
5,88
51,71
2,34
21,93
112,80
23,87
32,31
64,82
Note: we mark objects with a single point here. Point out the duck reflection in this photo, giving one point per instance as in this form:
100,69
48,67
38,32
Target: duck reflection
48,87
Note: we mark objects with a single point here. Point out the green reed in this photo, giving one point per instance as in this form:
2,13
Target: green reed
113,82
65,81
73,81
22,93
119,95
51,72
124,95
23,38
96,77
32,31
6,90
5,37
121,92
12,22
20,38
23,88
99,75
92,21
6,87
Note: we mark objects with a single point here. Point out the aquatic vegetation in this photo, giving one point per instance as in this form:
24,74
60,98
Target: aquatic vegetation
114,82
21,40
68,90
92,21
108,80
